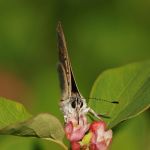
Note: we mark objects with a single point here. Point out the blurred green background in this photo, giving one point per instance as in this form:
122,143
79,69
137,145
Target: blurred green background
100,34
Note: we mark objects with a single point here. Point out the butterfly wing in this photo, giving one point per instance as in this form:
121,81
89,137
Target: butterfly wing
68,84
66,77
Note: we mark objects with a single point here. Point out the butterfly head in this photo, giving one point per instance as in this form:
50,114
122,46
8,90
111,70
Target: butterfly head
74,107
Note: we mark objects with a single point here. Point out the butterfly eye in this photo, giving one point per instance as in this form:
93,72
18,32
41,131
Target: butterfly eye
81,104
73,104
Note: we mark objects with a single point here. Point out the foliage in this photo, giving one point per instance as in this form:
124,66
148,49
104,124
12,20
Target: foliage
130,85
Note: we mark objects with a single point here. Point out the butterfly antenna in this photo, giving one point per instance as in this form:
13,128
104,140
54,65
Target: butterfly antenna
99,99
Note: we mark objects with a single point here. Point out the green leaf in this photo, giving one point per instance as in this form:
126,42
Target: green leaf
128,133
15,120
11,112
42,126
129,85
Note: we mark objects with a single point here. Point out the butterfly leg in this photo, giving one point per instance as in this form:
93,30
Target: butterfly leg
95,114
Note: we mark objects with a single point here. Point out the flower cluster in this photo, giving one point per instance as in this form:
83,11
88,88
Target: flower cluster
83,135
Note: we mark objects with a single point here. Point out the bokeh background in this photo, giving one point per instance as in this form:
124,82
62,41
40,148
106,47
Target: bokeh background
100,34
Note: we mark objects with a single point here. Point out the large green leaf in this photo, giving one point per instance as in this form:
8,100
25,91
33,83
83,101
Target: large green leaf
130,85
15,120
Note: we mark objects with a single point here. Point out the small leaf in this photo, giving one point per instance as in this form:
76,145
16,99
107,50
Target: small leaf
41,126
15,120
129,85
11,112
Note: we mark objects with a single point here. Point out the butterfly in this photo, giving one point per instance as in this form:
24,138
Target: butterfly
72,103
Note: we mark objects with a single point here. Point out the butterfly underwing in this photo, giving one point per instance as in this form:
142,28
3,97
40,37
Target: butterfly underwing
72,103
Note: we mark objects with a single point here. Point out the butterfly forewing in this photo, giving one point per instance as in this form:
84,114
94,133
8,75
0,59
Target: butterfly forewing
63,66
67,81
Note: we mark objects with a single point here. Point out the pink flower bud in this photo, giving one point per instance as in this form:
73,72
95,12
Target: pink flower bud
84,136
75,146
76,129
101,138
